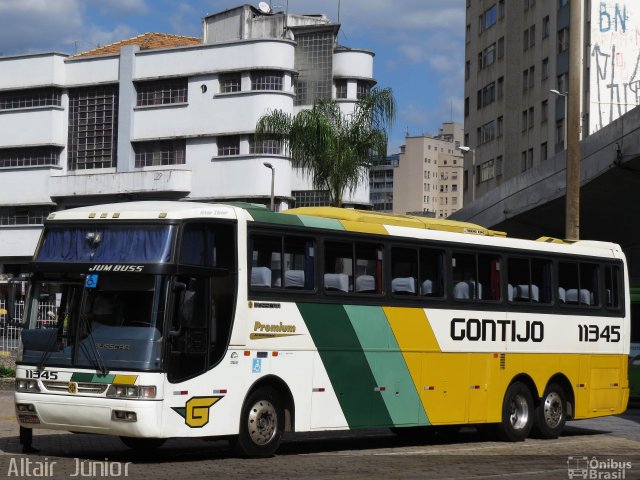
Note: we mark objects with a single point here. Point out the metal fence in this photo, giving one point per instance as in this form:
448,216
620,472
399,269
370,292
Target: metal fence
10,334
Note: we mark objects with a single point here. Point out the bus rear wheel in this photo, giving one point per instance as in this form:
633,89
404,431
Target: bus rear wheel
142,444
517,413
261,424
551,413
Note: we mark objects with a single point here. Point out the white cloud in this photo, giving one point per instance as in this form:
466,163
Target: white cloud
32,25
119,7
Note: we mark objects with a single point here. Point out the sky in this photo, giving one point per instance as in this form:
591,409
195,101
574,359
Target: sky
419,44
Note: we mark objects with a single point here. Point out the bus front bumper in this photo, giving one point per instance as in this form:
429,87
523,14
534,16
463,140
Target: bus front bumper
109,416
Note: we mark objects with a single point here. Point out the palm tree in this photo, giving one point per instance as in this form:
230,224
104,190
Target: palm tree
334,149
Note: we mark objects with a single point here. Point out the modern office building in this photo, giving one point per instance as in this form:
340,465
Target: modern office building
165,117
428,179
516,53
381,183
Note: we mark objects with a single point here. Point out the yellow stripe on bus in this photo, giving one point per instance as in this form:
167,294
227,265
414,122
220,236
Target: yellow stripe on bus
125,379
364,227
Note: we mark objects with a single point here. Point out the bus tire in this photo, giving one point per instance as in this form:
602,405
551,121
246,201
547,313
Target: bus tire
517,413
261,424
551,414
142,444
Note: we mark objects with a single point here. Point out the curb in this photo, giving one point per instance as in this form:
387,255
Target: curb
7,384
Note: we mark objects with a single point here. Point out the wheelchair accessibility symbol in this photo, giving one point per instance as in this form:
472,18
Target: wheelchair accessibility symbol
257,365
91,281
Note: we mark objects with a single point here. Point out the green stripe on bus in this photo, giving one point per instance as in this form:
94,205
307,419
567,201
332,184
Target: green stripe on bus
92,378
260,215
346,364
387,364
320,222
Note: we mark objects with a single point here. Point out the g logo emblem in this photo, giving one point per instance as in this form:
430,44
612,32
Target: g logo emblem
196,411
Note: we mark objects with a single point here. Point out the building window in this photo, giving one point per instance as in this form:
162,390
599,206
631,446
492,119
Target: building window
488,132
525,79
230,82
525,39
560,132
562,83
266,147
314,63
93,127
524,120
543,152
29,156
25,215
487,171
228,145
161,92
544,111
532,36
467,70
341,89
467,35
487,95
501,9
311,198
266,80
562,3
466,107
500,89
488,18
498,165
501,47
545,27
531,116
563,40
500,127
532,76
487,57
162,152
545,68
362,88
37,97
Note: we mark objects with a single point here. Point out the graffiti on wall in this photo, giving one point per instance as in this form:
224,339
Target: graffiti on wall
615,61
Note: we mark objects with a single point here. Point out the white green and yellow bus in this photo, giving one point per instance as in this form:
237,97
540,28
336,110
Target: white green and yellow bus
179,319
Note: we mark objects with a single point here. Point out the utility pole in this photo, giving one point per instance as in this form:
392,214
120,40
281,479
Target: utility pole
572,120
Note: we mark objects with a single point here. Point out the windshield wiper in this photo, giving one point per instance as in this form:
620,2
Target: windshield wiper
83,317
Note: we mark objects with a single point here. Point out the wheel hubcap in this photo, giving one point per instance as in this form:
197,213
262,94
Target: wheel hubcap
519,412
263,422
553,410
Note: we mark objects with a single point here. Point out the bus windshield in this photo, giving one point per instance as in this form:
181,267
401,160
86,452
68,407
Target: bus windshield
110,321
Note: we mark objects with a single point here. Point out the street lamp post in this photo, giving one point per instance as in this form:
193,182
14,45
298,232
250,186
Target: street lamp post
465,149
273,176
564,97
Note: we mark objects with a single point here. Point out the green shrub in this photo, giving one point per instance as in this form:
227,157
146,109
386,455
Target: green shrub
7,372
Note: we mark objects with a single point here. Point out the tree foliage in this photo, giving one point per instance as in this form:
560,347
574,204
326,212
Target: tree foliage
334,149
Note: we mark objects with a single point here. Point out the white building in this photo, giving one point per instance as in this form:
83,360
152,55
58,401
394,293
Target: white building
162,116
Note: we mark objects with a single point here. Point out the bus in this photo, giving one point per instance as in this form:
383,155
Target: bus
634,348
178,319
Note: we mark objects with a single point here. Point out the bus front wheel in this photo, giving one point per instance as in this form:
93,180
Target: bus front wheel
261,424
550,415
517,413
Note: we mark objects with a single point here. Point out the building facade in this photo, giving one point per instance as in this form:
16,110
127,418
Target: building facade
429,176
164,117
516,54
381,183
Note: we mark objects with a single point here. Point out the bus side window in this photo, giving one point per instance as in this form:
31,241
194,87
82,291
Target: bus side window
431,272
404,271
611,287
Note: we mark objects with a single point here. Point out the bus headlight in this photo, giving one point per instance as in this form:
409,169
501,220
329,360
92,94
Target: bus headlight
135,391
24,385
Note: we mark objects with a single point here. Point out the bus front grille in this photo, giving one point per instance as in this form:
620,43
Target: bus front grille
96,388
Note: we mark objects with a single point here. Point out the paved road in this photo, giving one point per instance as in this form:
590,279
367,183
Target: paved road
369,454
